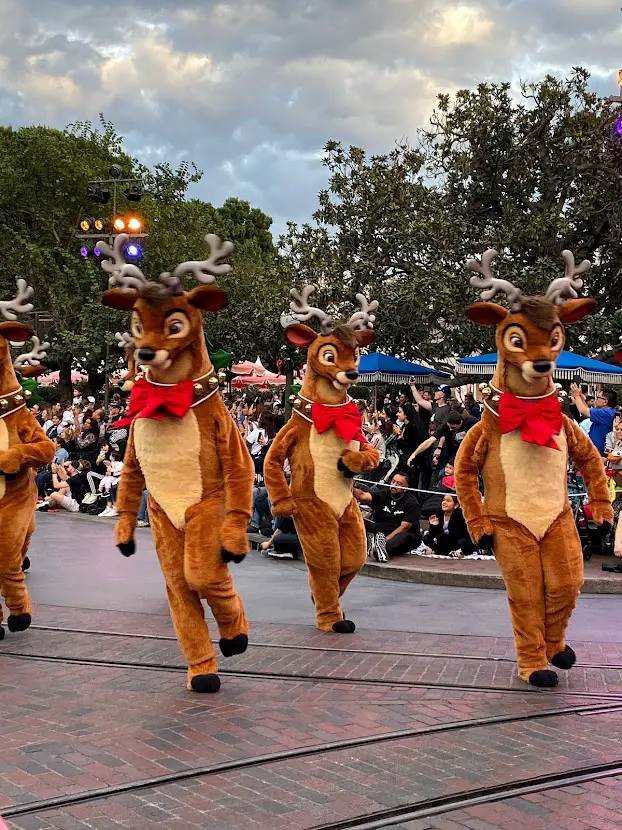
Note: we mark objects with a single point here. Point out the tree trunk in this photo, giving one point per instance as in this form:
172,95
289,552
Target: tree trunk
95,382
64,379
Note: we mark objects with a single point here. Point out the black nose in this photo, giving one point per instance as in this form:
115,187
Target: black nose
146,354
542,366
352,374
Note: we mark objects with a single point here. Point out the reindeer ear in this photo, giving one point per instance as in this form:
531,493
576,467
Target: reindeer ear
208,298
300,336
574,310
17,332
122,299
486,314
365,336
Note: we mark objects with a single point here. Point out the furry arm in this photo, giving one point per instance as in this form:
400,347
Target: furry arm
129,494
35,450
469,461
586,457
238,475
274,477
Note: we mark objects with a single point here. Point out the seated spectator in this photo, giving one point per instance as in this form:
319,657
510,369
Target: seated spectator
261,510
109,484
448,479
53,428
394,527
448,534
284,542
43,479
70,486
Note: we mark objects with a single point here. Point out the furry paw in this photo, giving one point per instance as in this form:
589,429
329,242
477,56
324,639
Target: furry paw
355,462
347,472
283,508
19,622
227,557
564,659
9,462
344,627
544,679
236,645
127,548
25,564
205,683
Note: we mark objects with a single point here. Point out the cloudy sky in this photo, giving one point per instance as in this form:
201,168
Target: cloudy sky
251,89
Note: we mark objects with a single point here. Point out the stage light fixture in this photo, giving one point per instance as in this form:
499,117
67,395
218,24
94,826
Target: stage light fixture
115,171
84,251
98,224
134,192
96,251
133,251
98,194
134,224
85,225
119,224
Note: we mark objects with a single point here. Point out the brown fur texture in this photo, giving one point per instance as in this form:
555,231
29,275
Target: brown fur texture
23,448
327,518
200,478
526,506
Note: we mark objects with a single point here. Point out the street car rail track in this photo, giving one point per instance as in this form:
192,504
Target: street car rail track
65,801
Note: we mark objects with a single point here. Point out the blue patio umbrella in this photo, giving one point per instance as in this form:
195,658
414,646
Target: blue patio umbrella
569,365
384,368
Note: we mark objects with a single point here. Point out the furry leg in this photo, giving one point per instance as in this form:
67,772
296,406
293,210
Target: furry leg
353,545
518,554
562,563
12,580
209,576
318,531
185,604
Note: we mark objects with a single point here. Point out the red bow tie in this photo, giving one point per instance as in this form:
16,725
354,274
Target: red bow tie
345,419
150,401
538,420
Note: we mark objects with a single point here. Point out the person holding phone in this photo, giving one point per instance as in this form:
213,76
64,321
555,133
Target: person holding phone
601,415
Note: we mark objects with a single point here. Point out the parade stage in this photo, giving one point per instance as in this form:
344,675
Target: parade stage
415,721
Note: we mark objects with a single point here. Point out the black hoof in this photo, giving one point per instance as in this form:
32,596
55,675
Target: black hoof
344,627
19,622
236,645
26,564
205,683
544,678
1,632
565,659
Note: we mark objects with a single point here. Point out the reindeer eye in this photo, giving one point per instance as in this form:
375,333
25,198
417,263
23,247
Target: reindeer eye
328,355
177,327
516,341
555,339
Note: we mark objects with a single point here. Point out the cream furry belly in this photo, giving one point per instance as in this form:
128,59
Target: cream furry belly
535,481
168,452
329,483
4,445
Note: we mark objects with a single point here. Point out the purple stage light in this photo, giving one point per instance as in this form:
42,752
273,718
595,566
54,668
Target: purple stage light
619,126
133,251
84,251
97,252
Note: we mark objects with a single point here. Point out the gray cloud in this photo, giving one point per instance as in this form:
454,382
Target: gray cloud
251,89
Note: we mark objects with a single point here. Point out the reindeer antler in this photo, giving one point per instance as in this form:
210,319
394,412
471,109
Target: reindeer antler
205,271
302,311
492,284
568,286
123,274
365,318
125,340
19,304
35,356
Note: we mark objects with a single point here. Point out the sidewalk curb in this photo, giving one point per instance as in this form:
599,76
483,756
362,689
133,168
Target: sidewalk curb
457,579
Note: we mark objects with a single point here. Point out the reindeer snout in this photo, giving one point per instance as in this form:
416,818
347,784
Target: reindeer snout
352,375
146,354
542,366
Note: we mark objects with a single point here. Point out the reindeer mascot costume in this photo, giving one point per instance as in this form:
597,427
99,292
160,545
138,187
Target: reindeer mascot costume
326,449
185,449
521,447
23,447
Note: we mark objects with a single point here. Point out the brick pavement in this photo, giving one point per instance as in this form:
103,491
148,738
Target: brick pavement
70,728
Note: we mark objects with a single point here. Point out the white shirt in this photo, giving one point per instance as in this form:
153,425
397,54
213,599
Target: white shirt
253,438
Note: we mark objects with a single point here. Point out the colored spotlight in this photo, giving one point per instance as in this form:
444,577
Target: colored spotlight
119,224
619,126
134,224
84,251
85,225
98,224
96,251
133,250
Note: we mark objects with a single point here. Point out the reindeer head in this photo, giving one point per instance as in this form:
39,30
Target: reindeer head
530,335
333,354
166,320
11,331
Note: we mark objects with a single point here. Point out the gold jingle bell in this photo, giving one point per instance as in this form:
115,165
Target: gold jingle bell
297,403
19,398
198,387
291,398
4,404
222,375
213,381
485,389
308,407
28,394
